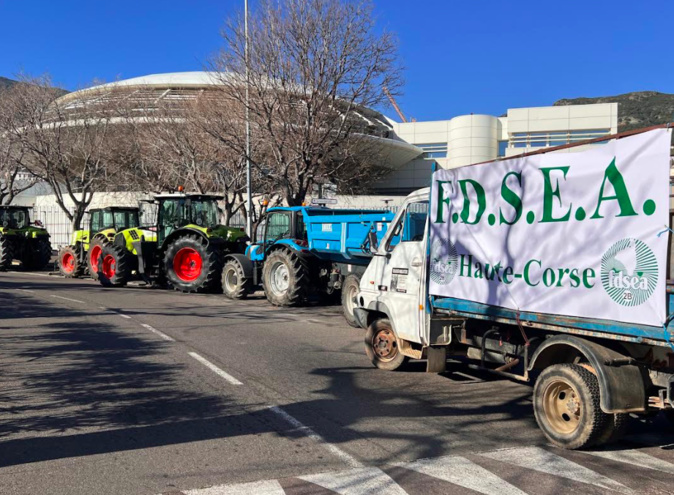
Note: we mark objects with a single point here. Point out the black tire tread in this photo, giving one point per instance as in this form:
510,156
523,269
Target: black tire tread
213,258
38,254
350,279
79,266
300,283
6,252
244,286
398,364
122,269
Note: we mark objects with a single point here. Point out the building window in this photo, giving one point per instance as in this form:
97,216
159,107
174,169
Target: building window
553,138
434,150
502,146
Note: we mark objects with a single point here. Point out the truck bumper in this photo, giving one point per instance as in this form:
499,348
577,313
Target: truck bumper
360,314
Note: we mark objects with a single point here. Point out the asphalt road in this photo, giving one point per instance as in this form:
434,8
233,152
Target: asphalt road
142,391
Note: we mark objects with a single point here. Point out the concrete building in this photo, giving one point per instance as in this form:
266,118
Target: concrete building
468,139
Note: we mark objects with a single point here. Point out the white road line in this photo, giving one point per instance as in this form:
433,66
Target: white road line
543,461
271,487
361,481
215,369
161,334
634,458
463,472
124,316
68,299
26,290
347,458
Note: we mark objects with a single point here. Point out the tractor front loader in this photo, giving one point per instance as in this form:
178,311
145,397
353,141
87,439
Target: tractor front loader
22,240
186,251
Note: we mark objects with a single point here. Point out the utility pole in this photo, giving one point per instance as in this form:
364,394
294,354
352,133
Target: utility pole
249,188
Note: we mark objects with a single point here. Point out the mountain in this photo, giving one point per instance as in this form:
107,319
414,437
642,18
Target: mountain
635,110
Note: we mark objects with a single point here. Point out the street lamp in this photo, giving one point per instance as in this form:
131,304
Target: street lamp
249,191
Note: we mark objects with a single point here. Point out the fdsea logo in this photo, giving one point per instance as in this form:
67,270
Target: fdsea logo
444,262
629,272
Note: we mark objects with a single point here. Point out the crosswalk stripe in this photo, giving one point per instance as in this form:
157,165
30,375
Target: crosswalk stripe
361,481
463,472
544,461
635,458
268,487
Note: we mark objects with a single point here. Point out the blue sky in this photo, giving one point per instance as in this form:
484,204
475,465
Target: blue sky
478,56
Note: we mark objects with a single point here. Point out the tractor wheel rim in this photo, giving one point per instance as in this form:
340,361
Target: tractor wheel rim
351,294
562,406
280,278
68,262
94,254
187,264
231,279
109,267
385,345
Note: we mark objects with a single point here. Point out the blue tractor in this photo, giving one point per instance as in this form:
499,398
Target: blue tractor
306,252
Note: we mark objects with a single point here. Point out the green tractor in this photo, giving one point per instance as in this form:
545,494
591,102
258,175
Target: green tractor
87,245
19,240
186,250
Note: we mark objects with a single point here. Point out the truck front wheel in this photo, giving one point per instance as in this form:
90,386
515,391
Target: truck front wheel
286,279
381,346
350,289
566,406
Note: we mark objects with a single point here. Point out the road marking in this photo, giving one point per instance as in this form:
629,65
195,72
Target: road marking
215,369
347,458
463,472
68,299
26,290
124,316
543,461
161,334
635,458
361,481
271,487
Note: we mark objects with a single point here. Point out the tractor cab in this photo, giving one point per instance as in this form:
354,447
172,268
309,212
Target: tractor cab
178,211
115,219
14,217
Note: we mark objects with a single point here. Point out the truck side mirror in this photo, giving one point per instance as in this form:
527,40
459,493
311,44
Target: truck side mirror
373,241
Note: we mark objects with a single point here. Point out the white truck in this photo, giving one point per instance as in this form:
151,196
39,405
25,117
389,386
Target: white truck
491,291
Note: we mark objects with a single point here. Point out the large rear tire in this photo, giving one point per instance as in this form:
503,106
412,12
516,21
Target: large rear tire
6,252
566,406
70,263
285,277
94,255
38,254
382,346
235,285
192,264
114,266
350,289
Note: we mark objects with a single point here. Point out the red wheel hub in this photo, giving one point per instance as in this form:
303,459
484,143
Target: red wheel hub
94,254
109,267
68,262
187,264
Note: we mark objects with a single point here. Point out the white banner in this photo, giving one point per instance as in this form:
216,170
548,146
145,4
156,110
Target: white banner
569,233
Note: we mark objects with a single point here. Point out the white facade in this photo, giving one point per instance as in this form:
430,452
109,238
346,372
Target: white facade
469,139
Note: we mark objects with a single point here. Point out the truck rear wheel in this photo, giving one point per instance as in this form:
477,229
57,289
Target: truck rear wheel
350,289
70,264
114,269
94,256
38,254
566,406
286,278
6,253
614,429
193,265
235,285
381,346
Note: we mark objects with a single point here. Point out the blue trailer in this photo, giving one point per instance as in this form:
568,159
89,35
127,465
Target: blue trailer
306,251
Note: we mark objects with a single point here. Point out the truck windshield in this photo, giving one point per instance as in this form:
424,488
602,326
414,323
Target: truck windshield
278,226
15,219
411,225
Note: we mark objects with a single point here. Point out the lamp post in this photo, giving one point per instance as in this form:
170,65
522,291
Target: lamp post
249,191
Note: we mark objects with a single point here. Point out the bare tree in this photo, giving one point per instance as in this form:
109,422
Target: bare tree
71,147
315,67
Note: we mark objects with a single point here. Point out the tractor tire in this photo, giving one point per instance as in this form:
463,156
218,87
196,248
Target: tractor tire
70,263
350,289
191,264
38,254
94,255
235,285
381,346
114,266
566,406
286,279
6,253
